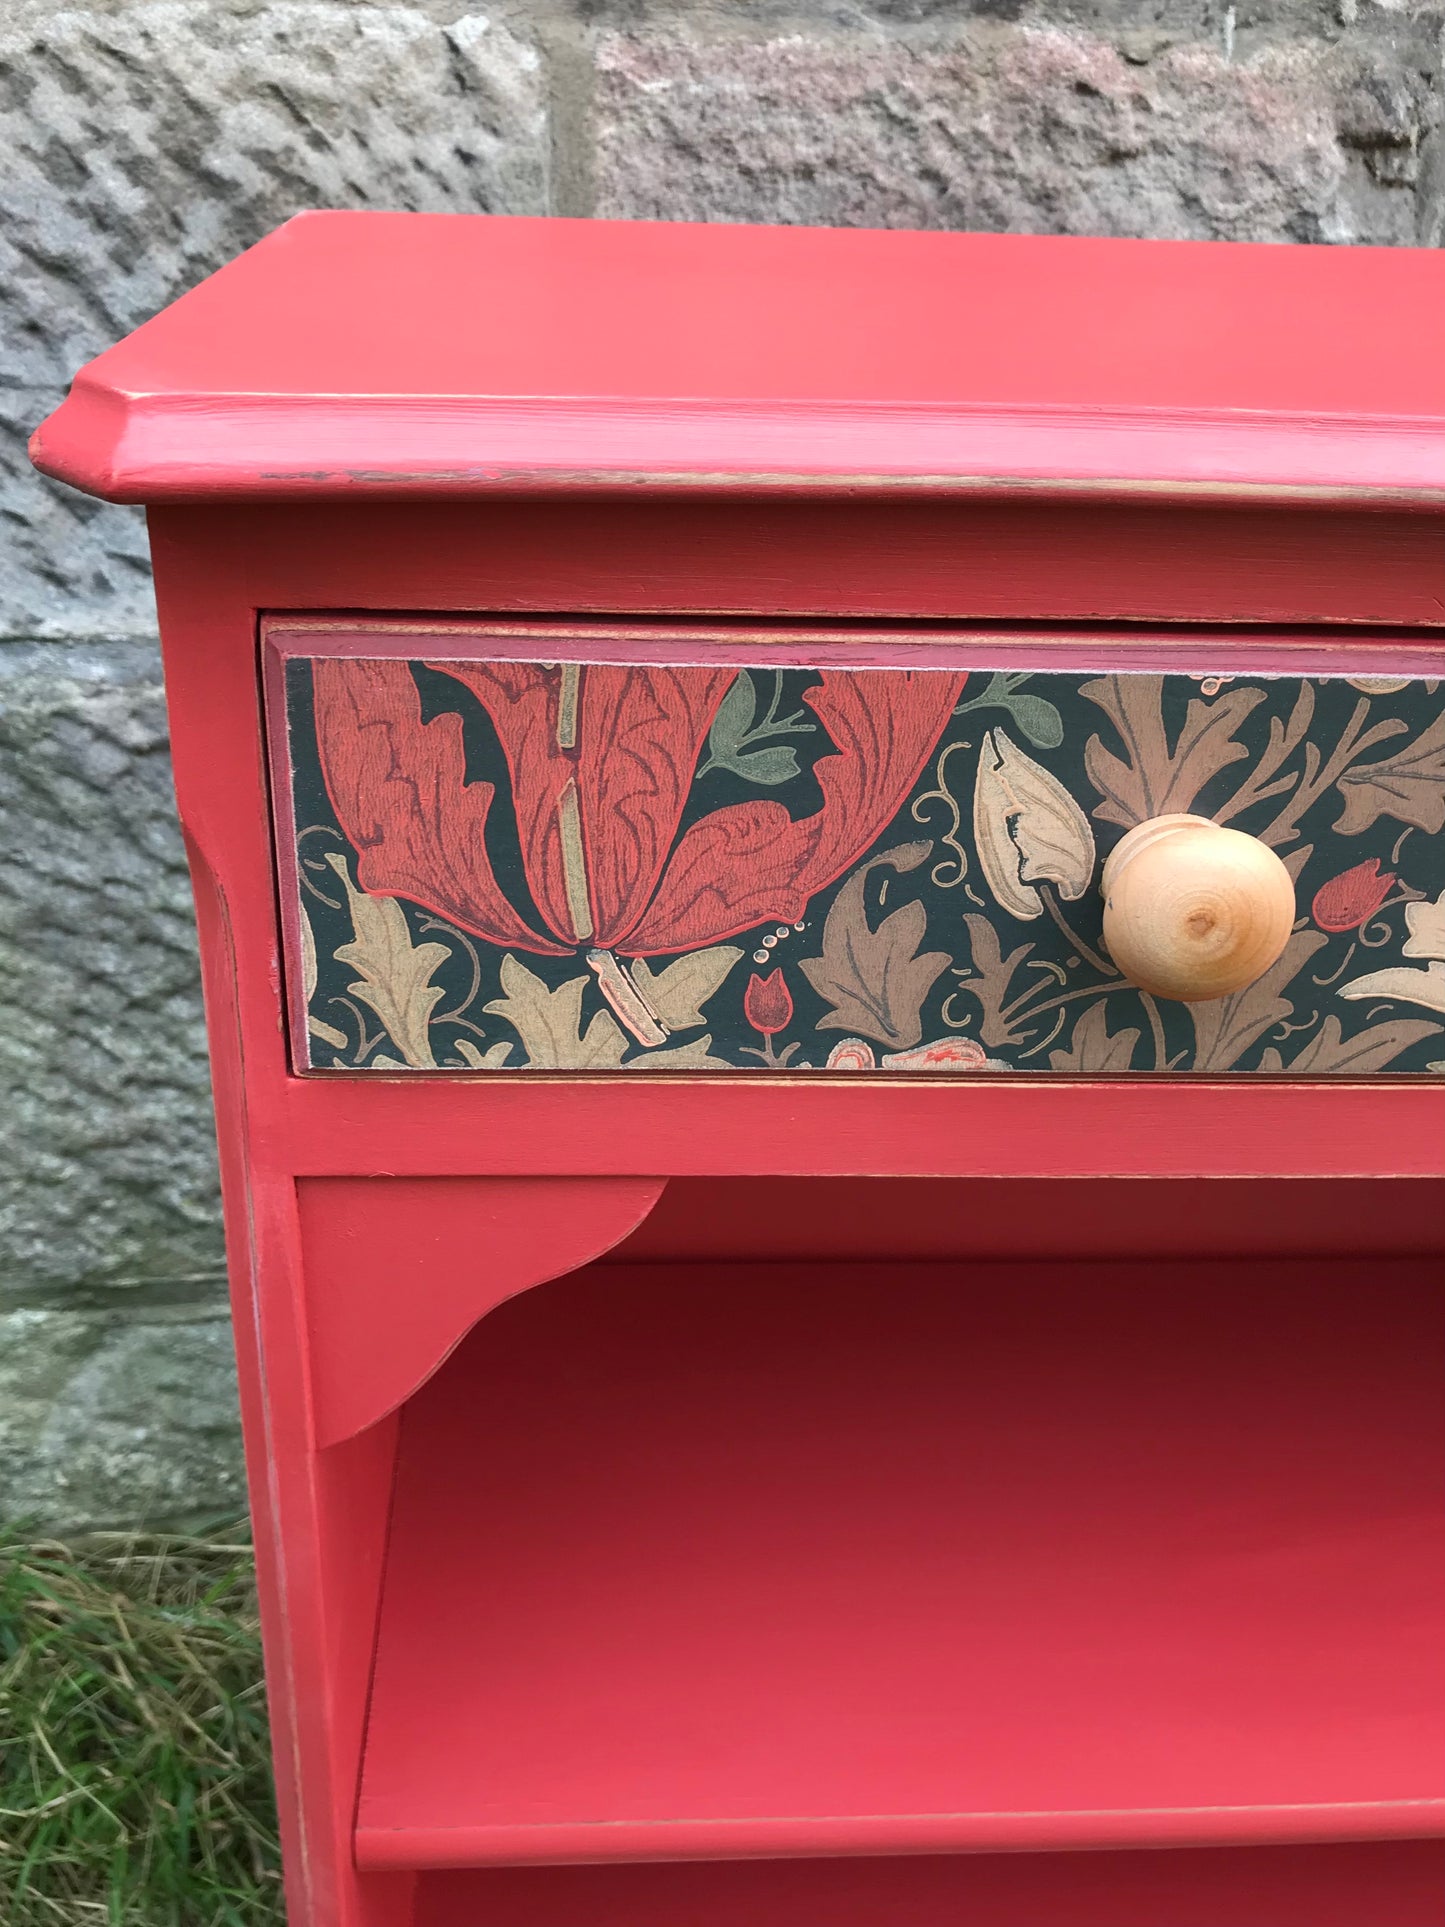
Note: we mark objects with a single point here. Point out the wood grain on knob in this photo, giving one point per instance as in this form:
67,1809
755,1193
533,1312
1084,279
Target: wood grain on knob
1193,910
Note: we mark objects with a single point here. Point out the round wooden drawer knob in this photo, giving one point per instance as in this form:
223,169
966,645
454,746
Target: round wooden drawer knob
1193,910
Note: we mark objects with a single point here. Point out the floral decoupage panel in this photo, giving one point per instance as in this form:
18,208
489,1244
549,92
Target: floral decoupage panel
592,867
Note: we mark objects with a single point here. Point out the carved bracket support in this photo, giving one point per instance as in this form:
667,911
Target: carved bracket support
397,1271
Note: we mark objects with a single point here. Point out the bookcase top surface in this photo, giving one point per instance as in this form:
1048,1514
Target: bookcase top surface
418,353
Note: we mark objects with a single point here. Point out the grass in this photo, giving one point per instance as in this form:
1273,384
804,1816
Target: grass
135,1786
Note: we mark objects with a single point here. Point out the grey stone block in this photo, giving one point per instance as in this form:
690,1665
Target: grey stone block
117,1422
107,1168
1023,128
143,148
68,564
148,147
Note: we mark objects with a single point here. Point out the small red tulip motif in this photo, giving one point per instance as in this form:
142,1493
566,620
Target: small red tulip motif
1353,897
768,1003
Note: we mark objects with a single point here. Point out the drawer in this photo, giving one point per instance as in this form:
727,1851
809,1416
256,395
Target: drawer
595,848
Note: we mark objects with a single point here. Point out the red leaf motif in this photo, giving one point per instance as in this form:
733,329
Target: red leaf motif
601,758
751,862
399,790
643,732
1353,897
522,700
768,1003
625,749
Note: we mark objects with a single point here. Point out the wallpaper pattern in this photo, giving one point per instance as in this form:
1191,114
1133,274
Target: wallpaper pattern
508,866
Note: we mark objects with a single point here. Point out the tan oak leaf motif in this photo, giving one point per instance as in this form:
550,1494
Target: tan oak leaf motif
1093,1049
1370,1050
308,956
990,980
1426,924
394,973
549,1022
1226,1027
482,1060
679,990
1152,778
875,980
1403,984
328,1033
1408,786
696,1054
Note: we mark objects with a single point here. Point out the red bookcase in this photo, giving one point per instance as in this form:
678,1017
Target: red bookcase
780,1386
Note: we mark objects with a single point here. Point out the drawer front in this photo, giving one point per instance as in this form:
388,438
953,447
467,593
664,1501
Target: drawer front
506,849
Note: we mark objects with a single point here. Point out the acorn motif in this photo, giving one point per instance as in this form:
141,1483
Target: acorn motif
1028,829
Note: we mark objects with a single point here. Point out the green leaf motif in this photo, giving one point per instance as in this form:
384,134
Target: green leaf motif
1039,719
736,726
769,766
734,719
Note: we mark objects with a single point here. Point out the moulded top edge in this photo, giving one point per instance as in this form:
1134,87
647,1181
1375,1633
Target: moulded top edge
381,353
146,448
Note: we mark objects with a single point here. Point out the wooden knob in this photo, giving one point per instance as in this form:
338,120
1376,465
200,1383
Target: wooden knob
1193,910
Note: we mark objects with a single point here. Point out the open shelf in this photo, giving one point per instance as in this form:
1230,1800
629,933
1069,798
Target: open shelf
739,1560
1393,1883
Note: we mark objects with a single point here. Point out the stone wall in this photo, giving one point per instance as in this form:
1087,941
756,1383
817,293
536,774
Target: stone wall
142,145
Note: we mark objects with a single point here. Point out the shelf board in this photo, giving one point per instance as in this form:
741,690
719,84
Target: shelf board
696,1561
1400,1883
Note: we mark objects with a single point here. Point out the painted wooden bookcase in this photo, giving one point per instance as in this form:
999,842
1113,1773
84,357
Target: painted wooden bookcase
785,1380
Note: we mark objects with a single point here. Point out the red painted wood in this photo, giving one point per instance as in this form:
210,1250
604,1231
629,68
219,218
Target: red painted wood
1400,1884
1026,562
975,651
397,1270
852,380
218,568
900,1558
363,352
338,639
910,1128
319,1520
703,1219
